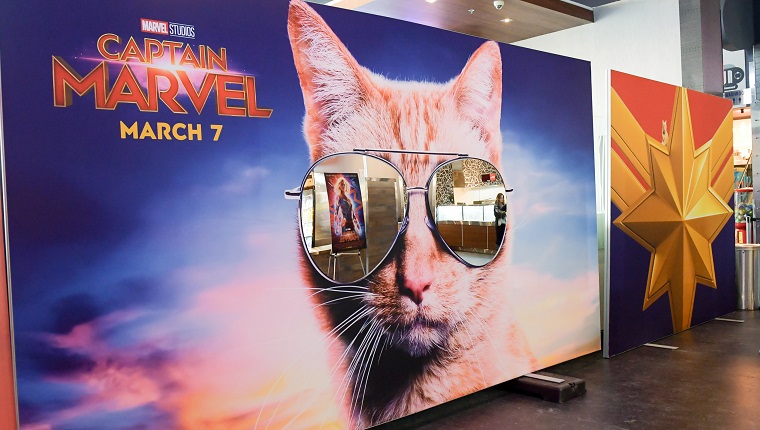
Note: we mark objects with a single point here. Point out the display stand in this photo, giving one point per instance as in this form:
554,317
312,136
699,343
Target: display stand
549,386
332,261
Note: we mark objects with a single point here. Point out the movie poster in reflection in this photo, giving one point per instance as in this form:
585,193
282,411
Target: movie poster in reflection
346,211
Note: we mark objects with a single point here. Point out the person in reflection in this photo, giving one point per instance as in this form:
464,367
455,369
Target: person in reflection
500,213
345,223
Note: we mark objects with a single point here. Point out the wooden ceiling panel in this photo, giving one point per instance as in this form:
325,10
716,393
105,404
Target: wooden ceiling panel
530,18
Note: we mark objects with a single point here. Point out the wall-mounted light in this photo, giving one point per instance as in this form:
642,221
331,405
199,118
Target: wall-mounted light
506,20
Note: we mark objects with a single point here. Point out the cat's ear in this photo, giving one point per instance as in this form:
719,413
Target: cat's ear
477,91
334,85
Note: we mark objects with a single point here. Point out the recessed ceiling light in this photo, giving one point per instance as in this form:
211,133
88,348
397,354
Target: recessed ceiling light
431,1
506,20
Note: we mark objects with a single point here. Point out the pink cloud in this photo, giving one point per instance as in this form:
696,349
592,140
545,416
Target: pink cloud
555,311
259,359
37,427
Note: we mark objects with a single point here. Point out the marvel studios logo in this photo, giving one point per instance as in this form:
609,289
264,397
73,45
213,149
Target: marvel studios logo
154,26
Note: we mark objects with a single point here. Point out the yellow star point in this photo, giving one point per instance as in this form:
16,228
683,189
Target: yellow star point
676,214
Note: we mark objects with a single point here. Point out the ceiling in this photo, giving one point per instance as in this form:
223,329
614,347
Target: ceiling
594,3
529,18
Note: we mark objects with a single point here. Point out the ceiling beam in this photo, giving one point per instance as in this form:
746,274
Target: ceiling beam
566,8
516,20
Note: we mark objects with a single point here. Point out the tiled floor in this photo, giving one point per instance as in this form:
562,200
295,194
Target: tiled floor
711,382
475,258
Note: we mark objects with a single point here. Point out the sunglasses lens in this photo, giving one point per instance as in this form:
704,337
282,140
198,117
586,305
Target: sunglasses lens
352,206
467,200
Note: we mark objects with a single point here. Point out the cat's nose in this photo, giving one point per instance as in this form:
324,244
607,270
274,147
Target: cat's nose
415,287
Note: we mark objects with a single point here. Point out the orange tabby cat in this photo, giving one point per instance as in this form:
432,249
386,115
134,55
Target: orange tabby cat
428,329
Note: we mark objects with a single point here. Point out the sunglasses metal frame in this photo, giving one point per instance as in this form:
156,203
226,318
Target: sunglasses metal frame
297,193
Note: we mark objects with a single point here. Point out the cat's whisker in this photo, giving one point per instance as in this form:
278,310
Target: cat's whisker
472,350
313,399
349,375
363,287
269,393
280,288
340,289
345,353
484,302
362,364
483,327
370,361
271,389
367,311
361,377
348,348
441,346
274,413
353,296
517,226
349,321
356,362
337,364
388,322
386,343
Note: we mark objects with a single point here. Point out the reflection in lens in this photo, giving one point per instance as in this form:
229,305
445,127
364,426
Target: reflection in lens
467,199
352,206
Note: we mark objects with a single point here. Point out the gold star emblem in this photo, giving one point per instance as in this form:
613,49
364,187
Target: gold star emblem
673,200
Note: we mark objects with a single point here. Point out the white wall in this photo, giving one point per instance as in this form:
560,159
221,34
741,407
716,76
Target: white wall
639,37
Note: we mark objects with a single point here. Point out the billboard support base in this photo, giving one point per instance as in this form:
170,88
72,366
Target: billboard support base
548,386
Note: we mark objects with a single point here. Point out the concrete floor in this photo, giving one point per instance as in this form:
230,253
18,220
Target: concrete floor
711,382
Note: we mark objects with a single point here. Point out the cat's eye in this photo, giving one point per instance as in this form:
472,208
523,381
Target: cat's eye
353,208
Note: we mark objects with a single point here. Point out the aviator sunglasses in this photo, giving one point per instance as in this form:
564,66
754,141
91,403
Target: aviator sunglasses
354,206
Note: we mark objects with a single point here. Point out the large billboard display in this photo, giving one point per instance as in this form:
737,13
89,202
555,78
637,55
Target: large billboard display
672,235
174,227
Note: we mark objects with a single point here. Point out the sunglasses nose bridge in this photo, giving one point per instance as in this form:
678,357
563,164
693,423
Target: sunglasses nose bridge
422,191
418,227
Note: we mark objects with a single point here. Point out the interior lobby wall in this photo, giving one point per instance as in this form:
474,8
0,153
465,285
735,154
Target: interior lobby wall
639,37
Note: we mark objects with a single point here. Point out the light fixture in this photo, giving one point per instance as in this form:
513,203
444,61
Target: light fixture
506,20
431,1
471,11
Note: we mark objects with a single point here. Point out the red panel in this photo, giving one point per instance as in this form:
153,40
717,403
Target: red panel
649,101
7,393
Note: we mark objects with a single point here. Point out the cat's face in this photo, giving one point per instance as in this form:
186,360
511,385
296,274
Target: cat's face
421,294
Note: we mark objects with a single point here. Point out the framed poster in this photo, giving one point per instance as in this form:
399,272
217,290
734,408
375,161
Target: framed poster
346,212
